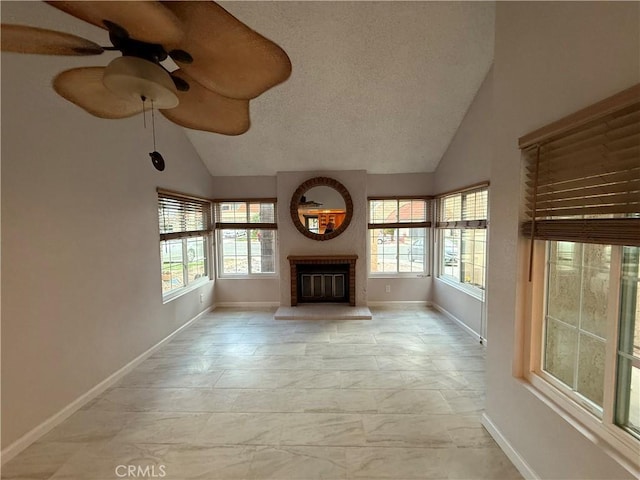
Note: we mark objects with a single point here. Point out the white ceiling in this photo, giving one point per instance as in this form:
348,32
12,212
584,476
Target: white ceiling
376,86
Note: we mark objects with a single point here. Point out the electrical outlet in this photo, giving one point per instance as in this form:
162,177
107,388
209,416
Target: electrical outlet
202,298
387,288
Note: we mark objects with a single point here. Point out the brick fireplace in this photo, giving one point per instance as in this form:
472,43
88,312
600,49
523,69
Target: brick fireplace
335,274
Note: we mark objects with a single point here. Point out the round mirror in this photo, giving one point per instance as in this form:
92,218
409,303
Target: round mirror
321,208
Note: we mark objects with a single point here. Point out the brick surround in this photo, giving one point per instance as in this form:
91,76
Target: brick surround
295,260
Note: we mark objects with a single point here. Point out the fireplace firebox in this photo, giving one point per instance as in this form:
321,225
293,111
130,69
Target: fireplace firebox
321,279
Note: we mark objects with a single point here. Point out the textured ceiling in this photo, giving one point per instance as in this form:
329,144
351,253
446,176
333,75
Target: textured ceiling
377,86
380,86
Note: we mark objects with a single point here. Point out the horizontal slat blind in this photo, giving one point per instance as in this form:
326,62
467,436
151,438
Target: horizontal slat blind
399,212
608,231
466,208
181,216
259,214
463,224
400,225
583,181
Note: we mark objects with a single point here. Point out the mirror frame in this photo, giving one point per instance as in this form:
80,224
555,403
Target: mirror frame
321,182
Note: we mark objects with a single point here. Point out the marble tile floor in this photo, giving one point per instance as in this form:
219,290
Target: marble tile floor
239,395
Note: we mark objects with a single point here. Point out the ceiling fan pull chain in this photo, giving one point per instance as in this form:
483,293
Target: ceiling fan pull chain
153,126
156,158
144,112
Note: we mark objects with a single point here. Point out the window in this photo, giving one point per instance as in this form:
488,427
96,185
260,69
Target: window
462,236
185,227
583,204
246,237
628,353
398,235
578,283
580,280
589,334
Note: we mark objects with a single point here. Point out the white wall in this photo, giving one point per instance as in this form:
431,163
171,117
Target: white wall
418,183
411,288
467,161
233,291
551,59
262,186
414,289
463,307
81,281
351,241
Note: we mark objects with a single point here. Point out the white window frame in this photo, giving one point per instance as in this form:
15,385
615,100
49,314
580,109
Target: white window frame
184,236
598,425
568,198
245,226
451,280
189,286
427,248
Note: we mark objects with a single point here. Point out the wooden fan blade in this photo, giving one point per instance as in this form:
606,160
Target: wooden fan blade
148,21
25,39
84,87
203,109
228,56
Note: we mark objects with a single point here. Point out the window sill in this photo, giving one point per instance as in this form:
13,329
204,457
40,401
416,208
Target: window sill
613,441
252,276
398,275
169,297
468,289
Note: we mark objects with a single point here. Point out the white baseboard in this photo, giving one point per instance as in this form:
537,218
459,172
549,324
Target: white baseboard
398,303
248,304
463,325
523,467
45,427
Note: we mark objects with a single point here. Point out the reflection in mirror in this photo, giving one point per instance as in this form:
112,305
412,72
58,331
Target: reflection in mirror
321,208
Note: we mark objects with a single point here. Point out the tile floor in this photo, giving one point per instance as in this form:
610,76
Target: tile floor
239,395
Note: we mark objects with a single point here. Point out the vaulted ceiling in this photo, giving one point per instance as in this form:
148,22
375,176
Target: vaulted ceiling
379,86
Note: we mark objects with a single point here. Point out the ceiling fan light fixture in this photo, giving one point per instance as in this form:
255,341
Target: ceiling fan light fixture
134,78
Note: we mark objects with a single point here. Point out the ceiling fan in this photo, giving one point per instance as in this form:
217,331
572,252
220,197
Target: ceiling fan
222,62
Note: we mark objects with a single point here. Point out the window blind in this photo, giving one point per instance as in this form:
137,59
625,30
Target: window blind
465,208
182,216
399,212
583,175
254,213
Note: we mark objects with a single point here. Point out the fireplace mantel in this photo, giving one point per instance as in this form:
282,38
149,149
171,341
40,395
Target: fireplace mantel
295,260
